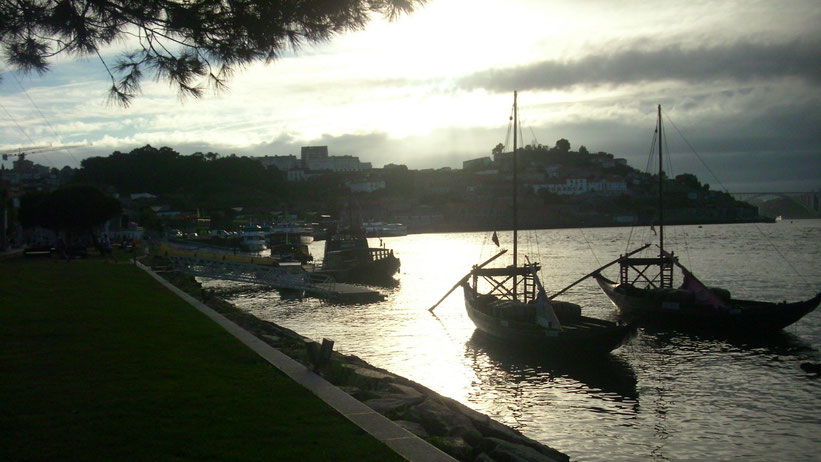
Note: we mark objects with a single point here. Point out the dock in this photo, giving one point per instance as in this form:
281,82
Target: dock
266,271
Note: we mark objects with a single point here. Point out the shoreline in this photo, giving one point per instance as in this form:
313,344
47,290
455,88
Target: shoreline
448,425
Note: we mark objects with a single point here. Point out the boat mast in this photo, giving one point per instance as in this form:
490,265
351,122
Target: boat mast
661,195
515,205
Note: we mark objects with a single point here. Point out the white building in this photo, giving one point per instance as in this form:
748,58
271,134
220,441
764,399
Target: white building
283,163
608,187
477,164
317,158
366,186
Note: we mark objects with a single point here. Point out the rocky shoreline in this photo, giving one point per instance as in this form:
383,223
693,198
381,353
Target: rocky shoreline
461,432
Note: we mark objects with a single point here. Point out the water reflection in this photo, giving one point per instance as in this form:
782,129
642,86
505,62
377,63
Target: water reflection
663,395
608,377
773,344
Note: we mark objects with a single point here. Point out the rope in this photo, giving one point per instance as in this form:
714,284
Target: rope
590,246
53,130
724,188
650,160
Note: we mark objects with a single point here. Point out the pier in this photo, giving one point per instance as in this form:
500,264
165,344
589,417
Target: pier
256,269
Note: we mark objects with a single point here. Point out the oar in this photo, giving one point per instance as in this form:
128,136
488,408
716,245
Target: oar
597,270
465,278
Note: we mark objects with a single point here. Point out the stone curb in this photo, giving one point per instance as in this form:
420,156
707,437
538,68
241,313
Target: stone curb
403,442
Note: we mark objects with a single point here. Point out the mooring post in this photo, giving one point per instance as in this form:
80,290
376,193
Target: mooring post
325,352
320,355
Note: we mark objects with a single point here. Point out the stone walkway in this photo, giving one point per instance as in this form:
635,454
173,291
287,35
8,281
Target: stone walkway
405,443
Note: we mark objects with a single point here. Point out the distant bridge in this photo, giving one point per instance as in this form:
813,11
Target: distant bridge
810,201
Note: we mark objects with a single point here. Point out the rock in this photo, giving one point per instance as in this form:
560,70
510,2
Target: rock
439,420
367,373
405,390
389,403
413,427
812,368
454,446
502,450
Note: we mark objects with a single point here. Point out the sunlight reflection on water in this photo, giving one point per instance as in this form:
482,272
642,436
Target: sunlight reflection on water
664,395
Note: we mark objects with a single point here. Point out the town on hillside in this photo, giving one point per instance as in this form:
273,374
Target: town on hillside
161,190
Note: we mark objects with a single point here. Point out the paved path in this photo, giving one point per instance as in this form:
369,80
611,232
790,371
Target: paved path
405,443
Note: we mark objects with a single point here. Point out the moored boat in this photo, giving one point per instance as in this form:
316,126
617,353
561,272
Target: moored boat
645,292
252,239
349,258
509,303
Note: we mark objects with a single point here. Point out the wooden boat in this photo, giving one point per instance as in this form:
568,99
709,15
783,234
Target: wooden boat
645,291
349,258
514,307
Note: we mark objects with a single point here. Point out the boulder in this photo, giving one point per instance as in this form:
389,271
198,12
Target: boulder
413,427
439,420
389,404
501,450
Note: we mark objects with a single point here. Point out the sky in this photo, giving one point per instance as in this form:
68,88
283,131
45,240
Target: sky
739,83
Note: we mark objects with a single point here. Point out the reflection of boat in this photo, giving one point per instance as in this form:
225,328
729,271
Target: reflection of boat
349,258
510,303
606,373
645,291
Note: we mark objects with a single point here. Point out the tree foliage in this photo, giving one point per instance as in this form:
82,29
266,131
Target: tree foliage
195,181
192,44
76,208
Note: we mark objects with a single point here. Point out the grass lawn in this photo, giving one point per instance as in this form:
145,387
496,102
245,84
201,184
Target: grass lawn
99,362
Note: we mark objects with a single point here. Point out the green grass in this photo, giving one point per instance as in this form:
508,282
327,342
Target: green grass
99,362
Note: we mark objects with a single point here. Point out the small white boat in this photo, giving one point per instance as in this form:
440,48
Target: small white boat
253,239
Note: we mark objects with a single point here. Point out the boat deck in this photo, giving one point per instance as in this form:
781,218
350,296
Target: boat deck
266,271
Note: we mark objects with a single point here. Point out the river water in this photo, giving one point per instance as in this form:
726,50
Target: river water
662,396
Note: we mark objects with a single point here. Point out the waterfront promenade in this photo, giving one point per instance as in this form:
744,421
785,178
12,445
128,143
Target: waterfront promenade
99,361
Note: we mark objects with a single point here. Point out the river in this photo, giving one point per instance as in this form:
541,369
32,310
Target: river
662,396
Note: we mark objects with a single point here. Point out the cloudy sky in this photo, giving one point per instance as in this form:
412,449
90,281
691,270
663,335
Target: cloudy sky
740,80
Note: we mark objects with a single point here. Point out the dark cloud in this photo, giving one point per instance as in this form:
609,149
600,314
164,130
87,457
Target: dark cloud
739,62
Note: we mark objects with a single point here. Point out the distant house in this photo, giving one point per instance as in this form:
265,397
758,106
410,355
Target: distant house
481,163
607,186
316,158
282,163
365,186
603,159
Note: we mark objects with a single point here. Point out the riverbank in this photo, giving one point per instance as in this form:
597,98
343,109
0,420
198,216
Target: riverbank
454,428
100,362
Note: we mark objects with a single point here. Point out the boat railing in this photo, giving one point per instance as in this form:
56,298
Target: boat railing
633,270
380,254
500,281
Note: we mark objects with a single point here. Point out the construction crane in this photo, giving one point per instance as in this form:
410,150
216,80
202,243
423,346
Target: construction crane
21,153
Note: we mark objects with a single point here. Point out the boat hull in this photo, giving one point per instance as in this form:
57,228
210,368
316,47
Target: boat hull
361,269
743,316
588,335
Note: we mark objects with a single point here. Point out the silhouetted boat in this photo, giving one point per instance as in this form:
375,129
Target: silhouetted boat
645,291
516,309
349,258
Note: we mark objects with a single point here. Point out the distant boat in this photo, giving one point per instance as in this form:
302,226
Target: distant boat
380,229
291,233
510,304
252,239
645,291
